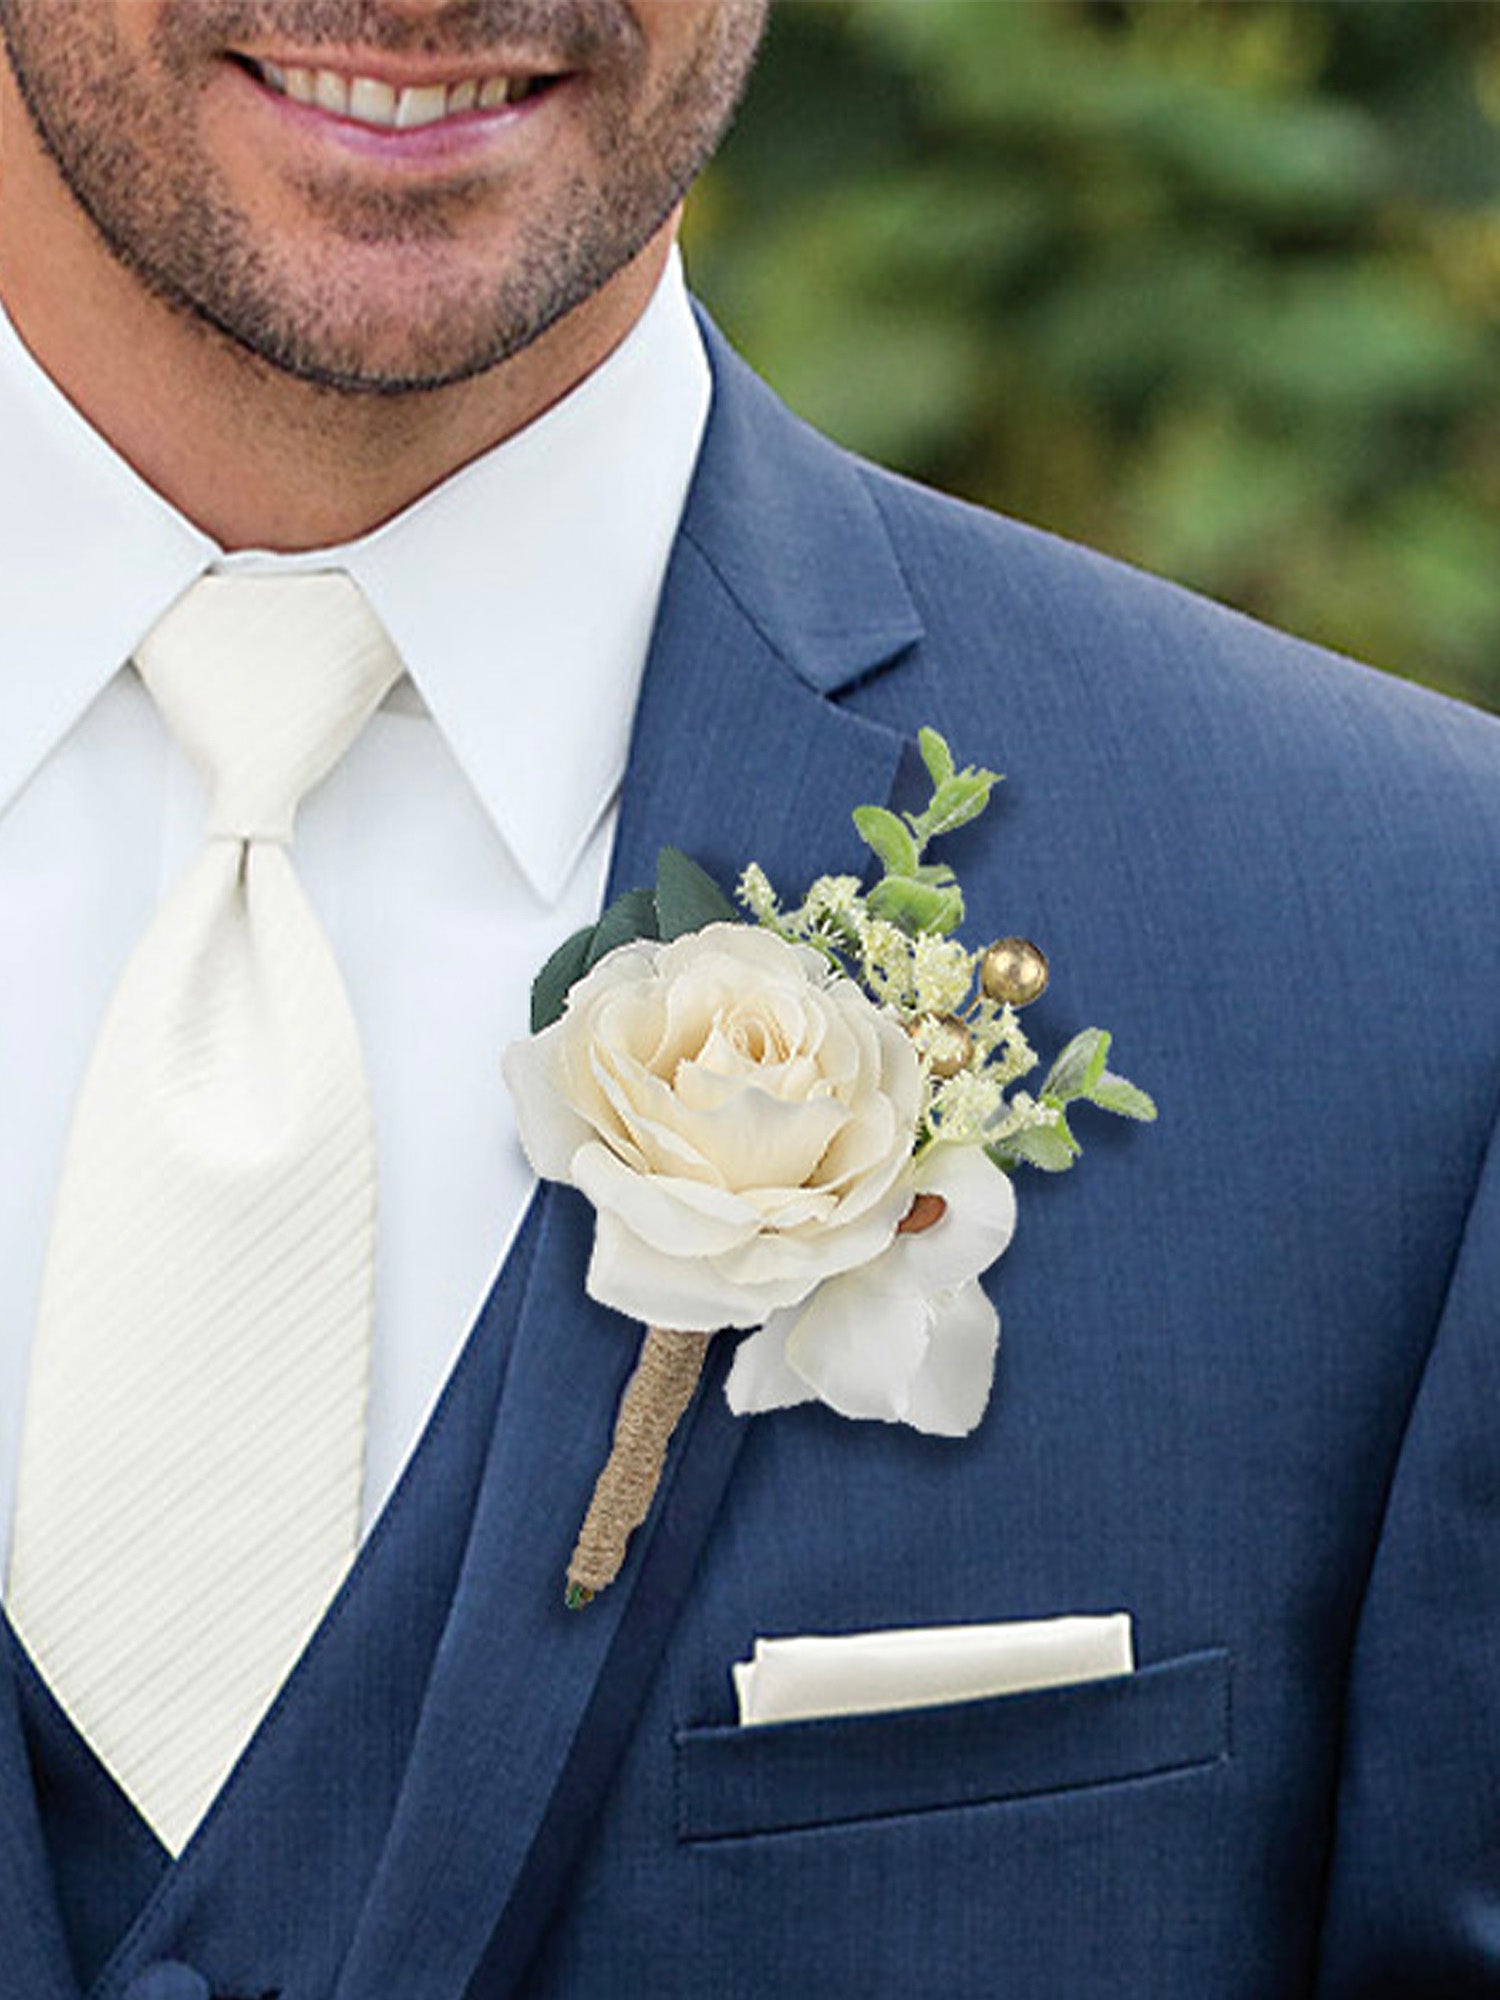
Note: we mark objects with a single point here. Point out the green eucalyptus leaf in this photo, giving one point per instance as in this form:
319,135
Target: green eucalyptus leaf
956,801
888,837
1113,1093
1079,1068
935,755
1050,1147
687,896
917,906
629,917
552,985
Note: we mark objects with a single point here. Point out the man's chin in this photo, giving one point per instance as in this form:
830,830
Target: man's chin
393,343
389,319
373,369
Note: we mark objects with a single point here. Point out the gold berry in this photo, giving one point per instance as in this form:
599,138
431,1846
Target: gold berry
1014,971
947,1044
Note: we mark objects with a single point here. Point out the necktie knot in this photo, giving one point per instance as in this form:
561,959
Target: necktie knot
265,681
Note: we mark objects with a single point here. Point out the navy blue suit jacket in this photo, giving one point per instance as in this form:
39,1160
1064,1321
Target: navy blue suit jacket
1249,1384
1249,1378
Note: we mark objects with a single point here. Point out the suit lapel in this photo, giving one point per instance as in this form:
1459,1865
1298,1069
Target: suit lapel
737,754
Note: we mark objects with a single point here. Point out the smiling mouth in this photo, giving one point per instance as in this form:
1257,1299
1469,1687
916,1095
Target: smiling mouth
386,107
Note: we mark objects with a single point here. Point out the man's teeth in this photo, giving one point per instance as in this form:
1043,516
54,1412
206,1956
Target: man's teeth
368,101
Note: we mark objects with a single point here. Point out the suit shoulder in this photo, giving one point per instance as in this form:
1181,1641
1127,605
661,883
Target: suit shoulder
1183,772
1002,600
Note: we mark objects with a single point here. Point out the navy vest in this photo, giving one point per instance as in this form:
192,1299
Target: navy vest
264,1899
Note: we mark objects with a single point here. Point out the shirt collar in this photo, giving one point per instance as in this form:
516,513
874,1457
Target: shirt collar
520,592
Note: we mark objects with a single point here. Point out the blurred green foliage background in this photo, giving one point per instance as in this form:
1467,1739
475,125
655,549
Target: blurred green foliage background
1211,284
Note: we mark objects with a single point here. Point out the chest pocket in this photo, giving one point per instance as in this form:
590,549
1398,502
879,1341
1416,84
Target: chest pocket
791,1776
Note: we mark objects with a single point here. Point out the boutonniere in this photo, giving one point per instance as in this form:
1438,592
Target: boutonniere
801,1121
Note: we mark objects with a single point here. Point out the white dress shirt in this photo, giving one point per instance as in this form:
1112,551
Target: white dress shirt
465,834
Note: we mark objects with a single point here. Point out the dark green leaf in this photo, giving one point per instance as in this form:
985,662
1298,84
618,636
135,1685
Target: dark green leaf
550,988
687,897
629,917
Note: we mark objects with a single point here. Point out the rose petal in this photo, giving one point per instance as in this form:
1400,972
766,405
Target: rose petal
735,950
685,1293
704,1085
874,1184
759,1378
839,1051
758,1141
786,1209
681,1217
859,1349
869,1137
952,1386
551,1130
818,1250
689,1008
643,1111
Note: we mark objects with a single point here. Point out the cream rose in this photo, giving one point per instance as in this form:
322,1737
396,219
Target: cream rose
739,1114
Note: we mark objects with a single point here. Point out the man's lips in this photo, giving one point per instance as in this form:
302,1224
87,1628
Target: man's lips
391,103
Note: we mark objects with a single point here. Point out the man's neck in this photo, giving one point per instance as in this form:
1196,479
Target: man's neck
252,456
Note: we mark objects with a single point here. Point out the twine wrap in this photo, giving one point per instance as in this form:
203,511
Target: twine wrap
659,1390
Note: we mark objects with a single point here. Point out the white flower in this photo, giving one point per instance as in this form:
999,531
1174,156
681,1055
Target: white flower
942,974
756,893
909,1337
886,952
740,1115
964,1107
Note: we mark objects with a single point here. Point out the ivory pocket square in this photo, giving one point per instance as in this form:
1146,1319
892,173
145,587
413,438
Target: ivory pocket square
796,1680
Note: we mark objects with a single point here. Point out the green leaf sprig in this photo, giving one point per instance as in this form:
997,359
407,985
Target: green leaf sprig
896,938
917,895
1077,1076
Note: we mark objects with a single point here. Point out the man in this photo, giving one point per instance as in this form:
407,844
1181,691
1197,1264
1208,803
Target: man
367,309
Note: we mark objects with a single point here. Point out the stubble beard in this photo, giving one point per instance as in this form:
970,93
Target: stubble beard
121,136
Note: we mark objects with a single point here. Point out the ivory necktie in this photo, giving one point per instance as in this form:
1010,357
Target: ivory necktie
194,1436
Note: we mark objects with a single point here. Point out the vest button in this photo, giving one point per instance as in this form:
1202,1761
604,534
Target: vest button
168,1980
